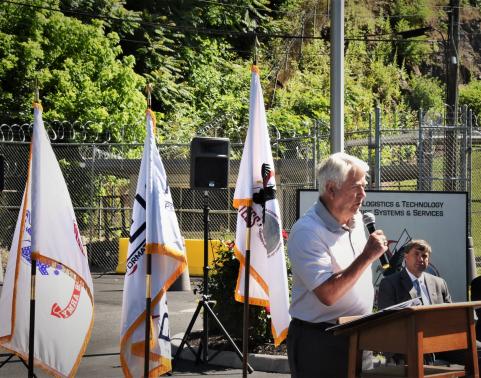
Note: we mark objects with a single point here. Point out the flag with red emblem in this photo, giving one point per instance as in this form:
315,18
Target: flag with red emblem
47,231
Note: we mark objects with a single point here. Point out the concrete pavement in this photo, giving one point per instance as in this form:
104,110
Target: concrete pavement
102,355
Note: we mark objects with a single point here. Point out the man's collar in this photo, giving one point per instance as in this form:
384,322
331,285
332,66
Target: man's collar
413,277
331,223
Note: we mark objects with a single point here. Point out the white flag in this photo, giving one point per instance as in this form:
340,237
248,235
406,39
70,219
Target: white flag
268,275
47,230
154,230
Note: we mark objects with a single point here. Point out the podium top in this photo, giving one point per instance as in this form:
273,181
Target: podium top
392,313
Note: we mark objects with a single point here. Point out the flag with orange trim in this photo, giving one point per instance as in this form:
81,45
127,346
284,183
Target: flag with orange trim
47,230
154,230
255,188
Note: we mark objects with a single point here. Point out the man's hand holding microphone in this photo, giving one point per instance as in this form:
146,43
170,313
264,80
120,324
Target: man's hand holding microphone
376,245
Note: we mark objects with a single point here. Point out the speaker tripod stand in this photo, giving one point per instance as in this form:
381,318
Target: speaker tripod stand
205,303
9,357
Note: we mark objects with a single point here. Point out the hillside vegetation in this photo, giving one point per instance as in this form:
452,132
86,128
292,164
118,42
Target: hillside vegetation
92,59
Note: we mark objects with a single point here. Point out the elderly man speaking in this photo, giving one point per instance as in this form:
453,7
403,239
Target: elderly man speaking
331,265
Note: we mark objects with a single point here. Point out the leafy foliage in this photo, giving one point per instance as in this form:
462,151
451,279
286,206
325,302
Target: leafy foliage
470,95
93,57
222,282
77,66
426,93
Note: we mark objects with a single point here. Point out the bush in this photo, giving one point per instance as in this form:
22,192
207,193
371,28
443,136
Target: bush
426,93
470,95
222,282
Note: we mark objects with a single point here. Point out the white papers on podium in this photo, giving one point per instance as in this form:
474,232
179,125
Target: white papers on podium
410,303
398,306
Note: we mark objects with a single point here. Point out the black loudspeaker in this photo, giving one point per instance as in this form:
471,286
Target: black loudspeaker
2,173
209,163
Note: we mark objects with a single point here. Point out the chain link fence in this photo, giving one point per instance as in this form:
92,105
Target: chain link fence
102,177
423,153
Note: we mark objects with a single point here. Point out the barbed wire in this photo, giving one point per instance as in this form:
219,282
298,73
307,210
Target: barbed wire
61,131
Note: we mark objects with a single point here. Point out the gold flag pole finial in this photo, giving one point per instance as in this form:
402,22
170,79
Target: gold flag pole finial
148,90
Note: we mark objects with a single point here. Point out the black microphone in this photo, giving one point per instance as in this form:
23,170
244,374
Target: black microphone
370,222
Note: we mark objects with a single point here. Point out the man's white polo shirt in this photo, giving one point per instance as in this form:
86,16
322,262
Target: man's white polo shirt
319,246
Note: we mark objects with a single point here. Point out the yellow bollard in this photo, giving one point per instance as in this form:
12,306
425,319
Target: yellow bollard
122,261
195,255
194,249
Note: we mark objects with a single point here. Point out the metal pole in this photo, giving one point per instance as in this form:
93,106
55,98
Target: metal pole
205,340
469,168
430,160
31,331
369,147
464,150
421,176
337,76
148,252
148,301
450,168
314,153
245,333
377,147
92,201
1,270
34,172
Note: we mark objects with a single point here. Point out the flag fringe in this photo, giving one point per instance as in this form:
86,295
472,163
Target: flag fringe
278,339
164,249
7,338
37,363
84,344
37,105
237,203
164,364
152,117
142,316
253,272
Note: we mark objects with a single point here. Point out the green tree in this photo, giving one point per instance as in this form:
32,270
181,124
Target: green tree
426,93
197,55
470,95
80,75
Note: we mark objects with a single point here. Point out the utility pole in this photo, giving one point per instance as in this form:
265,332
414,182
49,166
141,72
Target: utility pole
452,79
337,76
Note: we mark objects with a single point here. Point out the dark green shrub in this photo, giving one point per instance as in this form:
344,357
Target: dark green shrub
470,95
222,282
426,93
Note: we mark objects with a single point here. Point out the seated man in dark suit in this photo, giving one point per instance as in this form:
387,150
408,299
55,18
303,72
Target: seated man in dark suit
413,280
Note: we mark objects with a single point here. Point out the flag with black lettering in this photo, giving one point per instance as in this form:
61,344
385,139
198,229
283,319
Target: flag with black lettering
255,188
154,230
47,230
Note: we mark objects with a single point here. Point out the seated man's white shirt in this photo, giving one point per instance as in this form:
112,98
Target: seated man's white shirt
422,284
319,247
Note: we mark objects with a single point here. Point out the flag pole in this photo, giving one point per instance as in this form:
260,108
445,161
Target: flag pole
31,332
245,335
148,268
247,267
148,301
33,275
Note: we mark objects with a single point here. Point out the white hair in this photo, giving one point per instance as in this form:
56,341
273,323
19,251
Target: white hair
336,168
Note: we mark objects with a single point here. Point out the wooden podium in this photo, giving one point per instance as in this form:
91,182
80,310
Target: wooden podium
414,331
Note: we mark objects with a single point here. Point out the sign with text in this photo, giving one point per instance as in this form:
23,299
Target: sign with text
440,218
